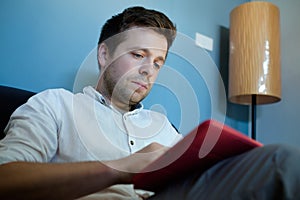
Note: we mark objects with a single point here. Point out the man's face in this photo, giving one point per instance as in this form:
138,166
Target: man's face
134,66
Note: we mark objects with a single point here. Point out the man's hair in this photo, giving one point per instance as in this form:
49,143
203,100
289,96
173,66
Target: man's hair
136,17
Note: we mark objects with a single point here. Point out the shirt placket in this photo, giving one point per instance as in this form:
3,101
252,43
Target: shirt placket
131,140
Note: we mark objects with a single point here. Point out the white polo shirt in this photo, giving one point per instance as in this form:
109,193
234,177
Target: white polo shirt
59,126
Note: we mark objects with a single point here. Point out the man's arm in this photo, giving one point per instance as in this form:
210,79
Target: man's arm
24,180
54,181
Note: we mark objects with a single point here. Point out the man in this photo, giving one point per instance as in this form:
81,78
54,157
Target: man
65,146
106,124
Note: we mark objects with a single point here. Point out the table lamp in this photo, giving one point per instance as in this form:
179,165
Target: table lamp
254,56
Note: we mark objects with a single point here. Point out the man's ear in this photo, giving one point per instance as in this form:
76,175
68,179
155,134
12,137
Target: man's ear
103,55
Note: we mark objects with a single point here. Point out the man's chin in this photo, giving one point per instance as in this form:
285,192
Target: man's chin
137,97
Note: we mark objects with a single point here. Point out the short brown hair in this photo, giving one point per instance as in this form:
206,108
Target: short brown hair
140,17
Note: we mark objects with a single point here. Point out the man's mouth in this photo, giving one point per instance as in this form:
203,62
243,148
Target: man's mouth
141,84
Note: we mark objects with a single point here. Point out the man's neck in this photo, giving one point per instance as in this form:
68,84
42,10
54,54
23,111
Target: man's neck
119,106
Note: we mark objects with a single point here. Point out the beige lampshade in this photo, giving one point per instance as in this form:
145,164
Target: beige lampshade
254,60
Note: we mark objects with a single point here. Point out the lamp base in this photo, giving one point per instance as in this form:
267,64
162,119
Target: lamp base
253,117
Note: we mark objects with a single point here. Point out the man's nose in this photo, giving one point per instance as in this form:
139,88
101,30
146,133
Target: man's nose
147,68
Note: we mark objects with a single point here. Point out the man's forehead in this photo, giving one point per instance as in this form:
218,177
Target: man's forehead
143,38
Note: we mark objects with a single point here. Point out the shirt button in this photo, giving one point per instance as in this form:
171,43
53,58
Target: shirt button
131,142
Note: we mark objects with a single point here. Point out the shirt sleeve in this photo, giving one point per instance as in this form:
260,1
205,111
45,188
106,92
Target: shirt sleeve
32,131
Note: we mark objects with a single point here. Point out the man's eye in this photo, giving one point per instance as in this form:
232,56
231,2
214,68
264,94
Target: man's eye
136,55
157,65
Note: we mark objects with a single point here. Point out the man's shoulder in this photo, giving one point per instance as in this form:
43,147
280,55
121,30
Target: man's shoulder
54,92
53,96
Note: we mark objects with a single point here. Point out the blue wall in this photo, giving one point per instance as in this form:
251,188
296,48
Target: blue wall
279,122
43,44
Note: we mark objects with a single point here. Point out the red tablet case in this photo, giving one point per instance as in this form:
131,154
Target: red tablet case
207,144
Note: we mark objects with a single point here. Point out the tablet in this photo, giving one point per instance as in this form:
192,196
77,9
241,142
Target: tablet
207,144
